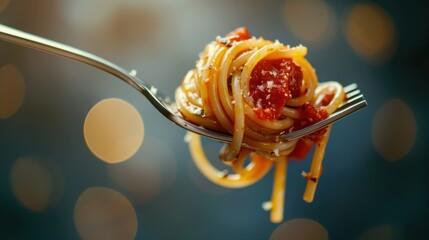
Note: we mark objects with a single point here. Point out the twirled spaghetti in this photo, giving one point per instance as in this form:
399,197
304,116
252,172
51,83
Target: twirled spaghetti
256,90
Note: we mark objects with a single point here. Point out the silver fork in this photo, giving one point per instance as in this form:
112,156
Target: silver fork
354,102
161,102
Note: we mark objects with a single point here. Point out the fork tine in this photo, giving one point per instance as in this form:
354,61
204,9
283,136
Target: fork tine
352,93
350,87
355,101
350,101
349,106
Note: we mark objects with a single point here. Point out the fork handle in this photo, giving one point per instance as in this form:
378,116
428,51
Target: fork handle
32,41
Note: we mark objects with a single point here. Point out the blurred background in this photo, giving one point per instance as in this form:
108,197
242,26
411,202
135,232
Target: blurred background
85,156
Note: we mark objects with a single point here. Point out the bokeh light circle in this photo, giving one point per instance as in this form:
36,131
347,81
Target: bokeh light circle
300,229
394,130
113,130
32,184
102,213
12,90
312,20
371,32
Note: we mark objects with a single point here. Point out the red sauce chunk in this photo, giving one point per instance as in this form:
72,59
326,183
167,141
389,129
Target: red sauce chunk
311,116
272,83
302,148
238,34
328,98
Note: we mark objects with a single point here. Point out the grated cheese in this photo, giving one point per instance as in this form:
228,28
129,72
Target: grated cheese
187,137
267,206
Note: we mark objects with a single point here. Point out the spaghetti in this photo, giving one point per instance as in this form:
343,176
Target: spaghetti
256,90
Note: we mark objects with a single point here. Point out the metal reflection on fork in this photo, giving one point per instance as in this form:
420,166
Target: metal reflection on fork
162,103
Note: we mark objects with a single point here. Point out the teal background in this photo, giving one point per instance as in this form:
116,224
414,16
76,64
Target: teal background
359,189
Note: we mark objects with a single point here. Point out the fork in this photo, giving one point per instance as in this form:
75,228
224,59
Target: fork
161,102
354,102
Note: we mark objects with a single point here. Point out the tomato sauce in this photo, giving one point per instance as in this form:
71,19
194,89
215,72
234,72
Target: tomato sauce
327,98
238,34
311,116
272,83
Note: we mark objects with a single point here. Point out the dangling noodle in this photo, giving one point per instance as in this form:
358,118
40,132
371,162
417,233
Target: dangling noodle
256,90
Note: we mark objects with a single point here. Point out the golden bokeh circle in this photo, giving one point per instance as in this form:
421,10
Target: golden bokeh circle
300,229
312,20
32,184
102,213
113,130
371,33
394,130
12,90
